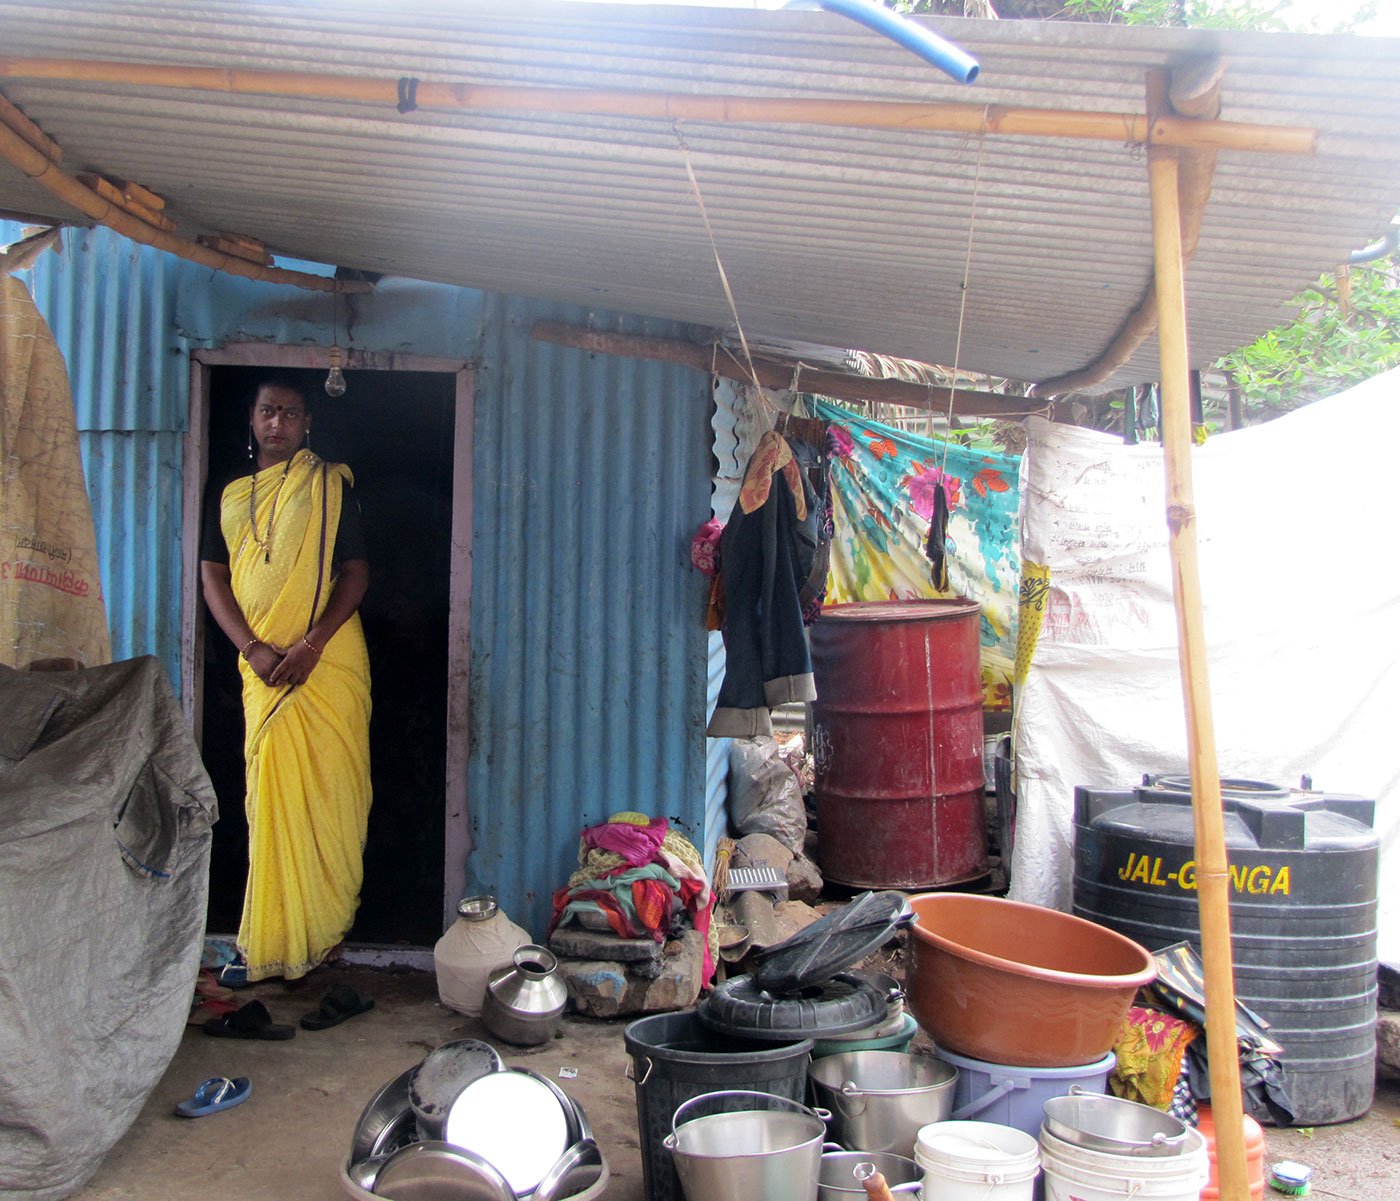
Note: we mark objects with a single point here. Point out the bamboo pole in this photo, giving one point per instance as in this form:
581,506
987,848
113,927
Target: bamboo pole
1212,876
1165,130
1194,92
48,175
838,384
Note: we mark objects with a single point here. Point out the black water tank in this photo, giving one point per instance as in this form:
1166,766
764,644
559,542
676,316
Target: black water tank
1302,913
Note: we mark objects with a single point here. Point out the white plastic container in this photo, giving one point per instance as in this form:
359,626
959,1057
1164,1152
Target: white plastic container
1074,1173
481,940
977,1161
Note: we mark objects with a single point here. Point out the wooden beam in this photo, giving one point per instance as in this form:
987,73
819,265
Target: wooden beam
43,171
31,133
1197,89
1212,873
838,384
1122,128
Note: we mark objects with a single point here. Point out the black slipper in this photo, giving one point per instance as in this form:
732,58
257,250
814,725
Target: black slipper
340,1003
248,1021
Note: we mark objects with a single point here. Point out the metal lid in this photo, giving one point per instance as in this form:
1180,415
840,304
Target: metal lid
478,908
901,610
741,1008
831,944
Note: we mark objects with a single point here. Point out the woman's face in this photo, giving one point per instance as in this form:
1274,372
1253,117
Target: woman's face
280,422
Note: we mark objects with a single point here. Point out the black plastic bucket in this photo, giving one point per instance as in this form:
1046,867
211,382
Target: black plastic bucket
675,1058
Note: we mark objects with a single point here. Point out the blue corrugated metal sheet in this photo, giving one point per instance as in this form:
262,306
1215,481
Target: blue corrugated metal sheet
588,640
589,656
134,479
110,304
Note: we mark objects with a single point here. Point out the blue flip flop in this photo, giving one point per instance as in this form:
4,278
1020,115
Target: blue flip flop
215,1094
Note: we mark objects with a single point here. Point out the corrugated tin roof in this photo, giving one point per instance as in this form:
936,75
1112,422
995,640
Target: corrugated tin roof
843,237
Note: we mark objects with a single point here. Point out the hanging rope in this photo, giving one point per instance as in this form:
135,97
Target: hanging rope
936,547
723,275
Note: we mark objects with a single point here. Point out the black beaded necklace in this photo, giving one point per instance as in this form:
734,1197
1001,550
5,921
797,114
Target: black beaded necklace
265,546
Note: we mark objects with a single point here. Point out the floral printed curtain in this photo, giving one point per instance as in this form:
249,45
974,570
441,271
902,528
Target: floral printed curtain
884,482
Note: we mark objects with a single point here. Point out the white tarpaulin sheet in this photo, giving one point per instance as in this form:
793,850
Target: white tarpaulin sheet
1300,573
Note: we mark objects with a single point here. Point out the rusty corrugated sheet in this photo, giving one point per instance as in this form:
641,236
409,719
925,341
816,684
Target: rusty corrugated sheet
842,237
588,641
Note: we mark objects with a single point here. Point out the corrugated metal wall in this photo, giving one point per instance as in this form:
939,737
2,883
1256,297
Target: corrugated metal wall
110,304
591,472
588,646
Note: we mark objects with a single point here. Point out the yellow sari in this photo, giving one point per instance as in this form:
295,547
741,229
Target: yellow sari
306,748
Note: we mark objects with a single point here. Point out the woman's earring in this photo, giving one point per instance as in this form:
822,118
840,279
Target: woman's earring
250,439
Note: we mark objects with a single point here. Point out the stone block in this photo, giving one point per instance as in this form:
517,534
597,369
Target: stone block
768,923
761,850
803,880
1388,1040
606,989
1388,981
573,942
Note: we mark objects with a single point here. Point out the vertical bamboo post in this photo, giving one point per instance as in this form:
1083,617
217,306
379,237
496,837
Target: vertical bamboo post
1212,870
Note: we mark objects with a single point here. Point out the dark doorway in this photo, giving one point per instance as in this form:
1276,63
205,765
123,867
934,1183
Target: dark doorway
395,430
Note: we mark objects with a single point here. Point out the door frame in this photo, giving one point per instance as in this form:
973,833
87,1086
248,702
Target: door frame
457,841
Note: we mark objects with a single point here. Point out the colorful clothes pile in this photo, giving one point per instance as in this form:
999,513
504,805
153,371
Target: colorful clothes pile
1151,1052
640,876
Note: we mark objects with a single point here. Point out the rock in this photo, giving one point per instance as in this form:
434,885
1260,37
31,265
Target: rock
1388,1040
809,843
1388,980
604,989
761,850
803,880
573,942
770,924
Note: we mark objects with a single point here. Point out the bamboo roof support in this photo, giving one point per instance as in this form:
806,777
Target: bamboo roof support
1213,880
772,374
43,171
1164,130
1195,91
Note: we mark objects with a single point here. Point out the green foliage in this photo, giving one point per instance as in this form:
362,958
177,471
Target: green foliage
1324,350
1197,14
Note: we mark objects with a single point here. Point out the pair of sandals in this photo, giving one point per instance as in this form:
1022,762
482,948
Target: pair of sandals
253,1021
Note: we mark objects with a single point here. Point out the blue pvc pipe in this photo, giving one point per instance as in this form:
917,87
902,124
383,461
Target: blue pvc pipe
950,59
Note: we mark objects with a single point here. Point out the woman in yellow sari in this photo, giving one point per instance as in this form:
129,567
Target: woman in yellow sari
287,600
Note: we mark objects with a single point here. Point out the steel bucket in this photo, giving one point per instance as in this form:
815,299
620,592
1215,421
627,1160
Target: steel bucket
769,1153
880,1099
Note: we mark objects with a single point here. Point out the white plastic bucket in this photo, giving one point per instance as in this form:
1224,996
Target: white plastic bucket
1078,1174
977,1161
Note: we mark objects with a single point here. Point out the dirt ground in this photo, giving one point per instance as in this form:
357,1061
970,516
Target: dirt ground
287,1141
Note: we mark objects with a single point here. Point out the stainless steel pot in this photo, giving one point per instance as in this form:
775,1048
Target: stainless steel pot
1102,1123
749,1153
519,1121
838,1180
880,1099
525,1001
435,1171
434,1084
387,1122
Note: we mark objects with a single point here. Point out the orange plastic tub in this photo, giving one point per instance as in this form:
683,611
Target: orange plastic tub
1006,982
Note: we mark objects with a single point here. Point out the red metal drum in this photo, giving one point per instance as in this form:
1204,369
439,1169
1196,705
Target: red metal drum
898,744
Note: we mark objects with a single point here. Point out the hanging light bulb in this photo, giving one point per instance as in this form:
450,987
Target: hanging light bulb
335,381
